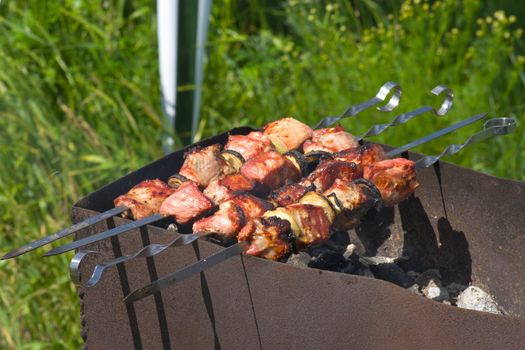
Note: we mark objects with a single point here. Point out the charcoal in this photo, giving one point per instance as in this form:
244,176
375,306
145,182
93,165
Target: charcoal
364,271
328,260
454,290
474,298
301,259
392,273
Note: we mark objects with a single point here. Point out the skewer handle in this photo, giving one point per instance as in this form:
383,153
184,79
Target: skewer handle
405,117
65,232
381,96
491,128
146,252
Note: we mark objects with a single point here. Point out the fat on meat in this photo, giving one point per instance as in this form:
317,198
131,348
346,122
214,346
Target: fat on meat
144,199
187,203
202,165
330,140
288,133
248,146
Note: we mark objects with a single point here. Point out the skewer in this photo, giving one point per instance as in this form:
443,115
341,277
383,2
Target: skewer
381,95
154,249
353,110
405,117
493,127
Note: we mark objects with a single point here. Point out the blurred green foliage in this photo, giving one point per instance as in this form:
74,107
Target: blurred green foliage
79,103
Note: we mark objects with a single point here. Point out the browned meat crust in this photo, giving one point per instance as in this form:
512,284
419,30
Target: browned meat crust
187,203
144,199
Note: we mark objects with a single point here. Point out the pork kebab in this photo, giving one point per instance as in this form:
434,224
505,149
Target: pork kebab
395,180
310,221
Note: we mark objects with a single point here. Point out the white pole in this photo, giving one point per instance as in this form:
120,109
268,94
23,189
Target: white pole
167,31
203,15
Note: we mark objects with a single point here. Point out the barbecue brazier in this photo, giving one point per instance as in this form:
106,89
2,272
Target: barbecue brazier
468,225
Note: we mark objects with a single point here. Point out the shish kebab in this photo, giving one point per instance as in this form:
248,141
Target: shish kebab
388,89
268,169
395,178
273,235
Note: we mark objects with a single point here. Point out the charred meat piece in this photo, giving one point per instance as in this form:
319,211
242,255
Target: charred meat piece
351,202
187,203
267,237
249,145
330,140
232,215
395,179
329,170
227,221
203,165
309,223
362,155
270,169
224,188
288,194
287,133
144,199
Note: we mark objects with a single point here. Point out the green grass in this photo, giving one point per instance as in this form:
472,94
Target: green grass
79,104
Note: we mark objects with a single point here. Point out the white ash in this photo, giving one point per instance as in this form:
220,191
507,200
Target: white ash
434,290
350,250
474,298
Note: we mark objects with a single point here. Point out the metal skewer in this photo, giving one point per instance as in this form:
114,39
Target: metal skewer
384,91
381,95
405,117
493,127
154,249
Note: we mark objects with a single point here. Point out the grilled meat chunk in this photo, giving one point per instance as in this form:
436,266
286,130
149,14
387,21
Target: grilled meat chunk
144,199
270,169
232,215
309,223
395,179
203,165
351,202
249,145
328,170
224,188
330,140
187,203
267,237
287,133
227,221
362,155
288,194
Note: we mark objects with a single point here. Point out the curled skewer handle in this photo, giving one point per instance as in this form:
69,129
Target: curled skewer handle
381,96
146,252
491,128
405,117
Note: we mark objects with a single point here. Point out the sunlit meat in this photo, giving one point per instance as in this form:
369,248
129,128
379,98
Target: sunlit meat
328,170
249,145
362,155
270,169
186,203
351,201
309,223
267,238
288,194
395,179
330,140
144,199
224,188
227,221
203,165
232,215
288,133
